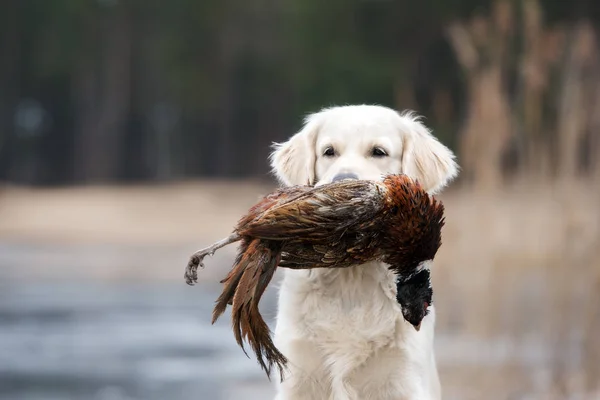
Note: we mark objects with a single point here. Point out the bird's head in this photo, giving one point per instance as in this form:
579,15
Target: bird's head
415,295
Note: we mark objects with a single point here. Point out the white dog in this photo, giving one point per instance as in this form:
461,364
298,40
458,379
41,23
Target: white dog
342,329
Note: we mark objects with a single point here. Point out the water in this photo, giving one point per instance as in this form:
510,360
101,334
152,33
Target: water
121,341
74,324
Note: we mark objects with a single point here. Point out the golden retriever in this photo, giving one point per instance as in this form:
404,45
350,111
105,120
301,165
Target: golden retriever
342,329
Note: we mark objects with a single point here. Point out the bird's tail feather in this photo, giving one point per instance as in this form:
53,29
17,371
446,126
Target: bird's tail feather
232,280
243,289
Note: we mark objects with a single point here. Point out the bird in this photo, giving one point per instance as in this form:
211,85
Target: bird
335,225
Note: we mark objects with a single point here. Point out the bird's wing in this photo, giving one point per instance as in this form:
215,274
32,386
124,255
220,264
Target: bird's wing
348,249
318,212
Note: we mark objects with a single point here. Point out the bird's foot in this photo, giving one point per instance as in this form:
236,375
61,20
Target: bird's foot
196,260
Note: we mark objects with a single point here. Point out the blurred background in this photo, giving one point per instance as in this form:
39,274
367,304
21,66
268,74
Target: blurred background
134,132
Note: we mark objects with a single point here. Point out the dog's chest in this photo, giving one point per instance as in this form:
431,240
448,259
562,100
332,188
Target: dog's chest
356,304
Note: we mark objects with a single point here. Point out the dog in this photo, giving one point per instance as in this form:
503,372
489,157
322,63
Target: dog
342,330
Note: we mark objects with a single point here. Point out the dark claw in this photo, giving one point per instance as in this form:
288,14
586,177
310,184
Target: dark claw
189,276
191,272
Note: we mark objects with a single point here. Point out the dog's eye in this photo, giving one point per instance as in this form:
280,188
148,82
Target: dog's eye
378,152
329,152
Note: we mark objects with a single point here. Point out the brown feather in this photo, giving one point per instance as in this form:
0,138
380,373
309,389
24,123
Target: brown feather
247,321
233,278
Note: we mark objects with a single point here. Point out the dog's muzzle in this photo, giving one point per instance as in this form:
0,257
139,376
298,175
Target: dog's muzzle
344,175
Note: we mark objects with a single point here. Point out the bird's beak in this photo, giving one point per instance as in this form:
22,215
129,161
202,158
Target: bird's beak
418,327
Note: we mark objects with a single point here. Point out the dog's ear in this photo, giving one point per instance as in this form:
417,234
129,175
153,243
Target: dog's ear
293,162
423,157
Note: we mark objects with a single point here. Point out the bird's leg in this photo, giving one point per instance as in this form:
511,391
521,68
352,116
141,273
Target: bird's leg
191,271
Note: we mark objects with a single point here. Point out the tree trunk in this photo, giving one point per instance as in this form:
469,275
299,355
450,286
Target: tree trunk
85,94
481,48
226,150
595,134
591,93
9,82
571,111
104,99
487,129
533,75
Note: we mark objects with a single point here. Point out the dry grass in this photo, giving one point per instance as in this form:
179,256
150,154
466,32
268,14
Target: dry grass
517,281
138,215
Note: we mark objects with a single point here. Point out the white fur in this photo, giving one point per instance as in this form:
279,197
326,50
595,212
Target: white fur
342,329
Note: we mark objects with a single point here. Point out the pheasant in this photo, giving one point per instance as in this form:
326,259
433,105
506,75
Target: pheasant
337,225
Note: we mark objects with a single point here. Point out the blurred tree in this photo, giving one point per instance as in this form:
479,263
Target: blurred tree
137,90
10,53
483,48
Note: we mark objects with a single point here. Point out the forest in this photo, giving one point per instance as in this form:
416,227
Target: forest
97,91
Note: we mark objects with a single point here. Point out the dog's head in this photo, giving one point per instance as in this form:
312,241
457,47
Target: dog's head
363,142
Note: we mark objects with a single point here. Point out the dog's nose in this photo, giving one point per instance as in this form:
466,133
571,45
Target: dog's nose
344,175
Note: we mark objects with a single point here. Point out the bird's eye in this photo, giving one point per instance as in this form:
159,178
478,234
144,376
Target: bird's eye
329,152
394,210
378,152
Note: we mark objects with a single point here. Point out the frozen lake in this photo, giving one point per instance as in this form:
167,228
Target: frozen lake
107,337
112,341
